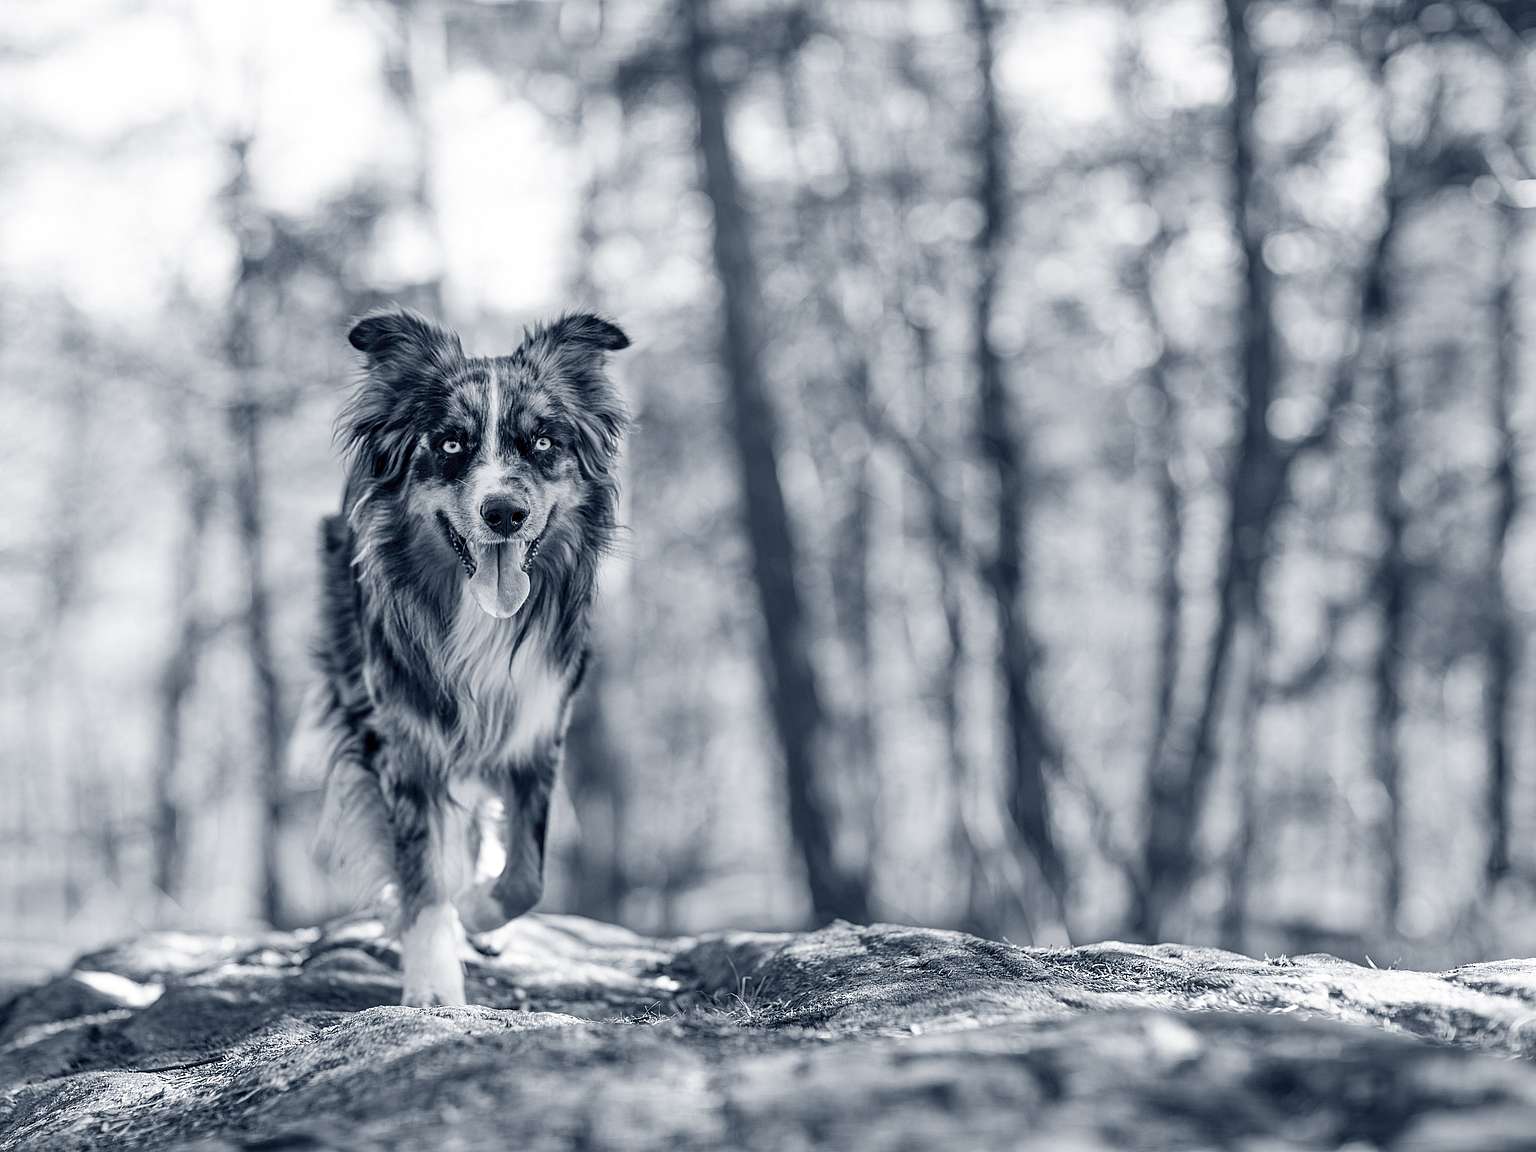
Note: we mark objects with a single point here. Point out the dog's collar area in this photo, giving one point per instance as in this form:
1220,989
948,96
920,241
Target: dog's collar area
459,545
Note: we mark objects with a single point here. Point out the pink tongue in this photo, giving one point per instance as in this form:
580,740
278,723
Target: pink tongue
499,584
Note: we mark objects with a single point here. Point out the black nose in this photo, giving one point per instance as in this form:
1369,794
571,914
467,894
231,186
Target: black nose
502,514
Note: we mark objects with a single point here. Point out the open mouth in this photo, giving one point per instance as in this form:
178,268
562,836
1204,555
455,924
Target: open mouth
497,573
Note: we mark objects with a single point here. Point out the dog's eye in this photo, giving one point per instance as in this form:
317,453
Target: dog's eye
543,444
452,446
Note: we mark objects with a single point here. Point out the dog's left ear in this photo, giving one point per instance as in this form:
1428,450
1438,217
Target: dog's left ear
587,330
578,344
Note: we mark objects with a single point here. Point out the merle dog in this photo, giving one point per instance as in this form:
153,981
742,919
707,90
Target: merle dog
457,582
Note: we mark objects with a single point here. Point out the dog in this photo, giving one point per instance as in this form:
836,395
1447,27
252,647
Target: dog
457,583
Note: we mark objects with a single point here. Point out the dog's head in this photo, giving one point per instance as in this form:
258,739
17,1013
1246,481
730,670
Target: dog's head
499,457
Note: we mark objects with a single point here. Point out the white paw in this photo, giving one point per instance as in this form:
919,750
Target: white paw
429,959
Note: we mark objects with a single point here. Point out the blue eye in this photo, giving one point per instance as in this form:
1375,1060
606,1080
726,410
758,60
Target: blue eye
452,447
543,444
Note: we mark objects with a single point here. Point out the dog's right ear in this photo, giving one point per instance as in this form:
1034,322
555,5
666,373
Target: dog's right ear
378,425
397,342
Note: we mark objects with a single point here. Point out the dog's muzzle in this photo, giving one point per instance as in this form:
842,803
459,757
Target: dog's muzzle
497,573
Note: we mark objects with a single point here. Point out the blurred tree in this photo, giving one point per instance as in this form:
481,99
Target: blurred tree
1000,442
245,416
798,713
1257,483
189,631
595,769
829,234
1393,577
1182,779
594,779
1392,583
1151,152
63,750
988,867
1503,638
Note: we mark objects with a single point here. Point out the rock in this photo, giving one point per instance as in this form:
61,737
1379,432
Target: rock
587,1036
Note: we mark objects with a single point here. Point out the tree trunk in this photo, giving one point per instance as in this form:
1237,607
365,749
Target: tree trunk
851,590
1159,446
1392,583
66,765
1170,588
794,695
1251,656
245,425
594,768
1179,787
1393,578
245,416
1161,449
594,781
1503,641
830,233
1503,647
179,671
976,851
1000,440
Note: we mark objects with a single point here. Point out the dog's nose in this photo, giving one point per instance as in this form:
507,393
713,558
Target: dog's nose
502,514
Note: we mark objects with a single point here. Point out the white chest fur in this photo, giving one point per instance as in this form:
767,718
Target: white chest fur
510,694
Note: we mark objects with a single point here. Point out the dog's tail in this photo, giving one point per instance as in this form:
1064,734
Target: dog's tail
333,739
354,840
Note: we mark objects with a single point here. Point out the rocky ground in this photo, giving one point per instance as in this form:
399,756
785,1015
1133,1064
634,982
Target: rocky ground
585,1036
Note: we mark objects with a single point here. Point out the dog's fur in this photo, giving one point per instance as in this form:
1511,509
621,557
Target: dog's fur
451,644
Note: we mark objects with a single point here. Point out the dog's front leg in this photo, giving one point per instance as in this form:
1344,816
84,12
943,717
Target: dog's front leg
520,825
429,925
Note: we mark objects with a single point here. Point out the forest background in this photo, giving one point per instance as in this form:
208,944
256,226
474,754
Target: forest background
1080,485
